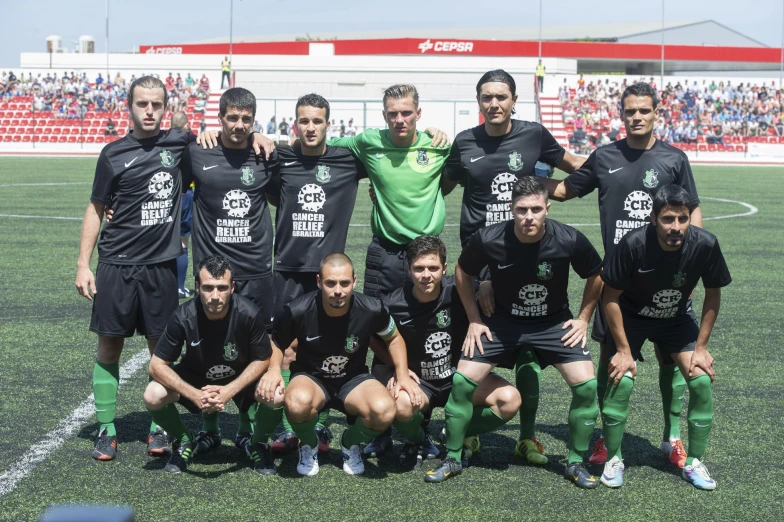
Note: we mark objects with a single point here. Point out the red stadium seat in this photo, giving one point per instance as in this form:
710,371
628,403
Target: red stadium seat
7,138
99,139
711,147
62,139
740,148
57,130
93,131
4,106
12,106
44,139
17,138
26,139
90,139
29,130
39,130
11,130
703,148
691,147
65,131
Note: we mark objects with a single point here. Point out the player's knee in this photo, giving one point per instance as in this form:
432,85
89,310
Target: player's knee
155,396
298,403
700,391
381,410
508,401
404,410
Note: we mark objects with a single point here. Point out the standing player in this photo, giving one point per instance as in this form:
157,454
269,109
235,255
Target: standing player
487,160
317,188
648,280
432,321
180,120
528,258
332,327
227,351
627,173
231,217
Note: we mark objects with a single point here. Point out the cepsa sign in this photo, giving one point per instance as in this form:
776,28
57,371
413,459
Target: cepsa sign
440,46
164,50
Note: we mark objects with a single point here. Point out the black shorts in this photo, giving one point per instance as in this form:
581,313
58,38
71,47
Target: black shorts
600,330
244,399
289,286
437,392
543,337
385,268
261,292
186,215
131,298
675,335
336,393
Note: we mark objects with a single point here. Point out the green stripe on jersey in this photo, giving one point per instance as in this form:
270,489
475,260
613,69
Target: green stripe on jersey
407,181
389,331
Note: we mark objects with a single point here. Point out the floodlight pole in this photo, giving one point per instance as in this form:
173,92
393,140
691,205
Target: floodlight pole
540,29
107,42
231,29
781,71
661,77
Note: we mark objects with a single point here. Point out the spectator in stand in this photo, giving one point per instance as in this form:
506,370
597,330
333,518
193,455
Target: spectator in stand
351,130
111,128
692,135
271,126
718,135
581,83
99,102
283,128
170,83
342,129
226,72
99,80
189,81
179,83
201,102
119,80
204,83
615,127
778,125
257,126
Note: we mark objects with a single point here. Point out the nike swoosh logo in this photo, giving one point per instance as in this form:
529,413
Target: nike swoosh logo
289,163
608,424
406,322
131,162
533,396
614,171
702,425
379,155
476,159
312,338
640,270
586,352
196,343
205,167
680,398
590,423
505,266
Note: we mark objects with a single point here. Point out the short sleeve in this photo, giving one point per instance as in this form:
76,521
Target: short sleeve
352,143
102,183
383,324
584,180
454,169
715,273
186,169
361,170
272,168
586,261
551,151
260,349
685,179
473,258
619,266
169,347
284,330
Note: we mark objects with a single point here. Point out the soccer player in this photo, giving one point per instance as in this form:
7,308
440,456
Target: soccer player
487,160
332,327
180,120
627,173
432,321
404,167
648,280
227,351
317,188
528,258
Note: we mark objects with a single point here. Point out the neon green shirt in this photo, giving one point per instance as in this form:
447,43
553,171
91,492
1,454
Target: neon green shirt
407,181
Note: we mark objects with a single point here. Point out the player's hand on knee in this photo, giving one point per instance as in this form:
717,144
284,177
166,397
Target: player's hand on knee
269,384
485,297
414,376
704,361
577,335
621,364
440,139
411,388
473,339
262,143
208,139
85,283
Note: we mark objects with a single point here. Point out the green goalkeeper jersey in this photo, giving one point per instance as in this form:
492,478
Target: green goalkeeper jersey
407,181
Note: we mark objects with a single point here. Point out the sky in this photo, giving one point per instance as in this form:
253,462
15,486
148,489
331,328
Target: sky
27,23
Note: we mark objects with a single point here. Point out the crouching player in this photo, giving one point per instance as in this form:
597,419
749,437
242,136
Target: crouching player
648,280
227,351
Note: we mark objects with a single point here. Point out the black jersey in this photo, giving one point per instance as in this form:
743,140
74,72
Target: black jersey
140,181
433,331
220,350
530,280
331,348
488,167
317,195
230,212
657,284
627,179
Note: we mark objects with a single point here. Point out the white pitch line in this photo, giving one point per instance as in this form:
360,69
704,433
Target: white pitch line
67,427
752,209
46,184
41,217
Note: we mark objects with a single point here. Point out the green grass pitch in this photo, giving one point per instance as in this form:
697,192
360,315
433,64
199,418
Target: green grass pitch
47,354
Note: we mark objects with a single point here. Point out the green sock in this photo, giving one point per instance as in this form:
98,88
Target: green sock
412,429
582,418
357,434
602,376
323,417
244,422
700,416
153,426
306,431
484,420
672,386
458,412
267,419
106,380
286,374
528,378
209,422
169,419
615,414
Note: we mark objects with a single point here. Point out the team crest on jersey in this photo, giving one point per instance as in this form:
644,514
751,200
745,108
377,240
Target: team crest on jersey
502,186
422,158
322,174
438,344
679,280
651,179
230,352
515,161
237,203
443,319
352,343
161,184
220,371
545,271
334,364
166,158
247,178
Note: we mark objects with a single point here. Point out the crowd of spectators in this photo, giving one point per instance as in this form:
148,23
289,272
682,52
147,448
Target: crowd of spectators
689,112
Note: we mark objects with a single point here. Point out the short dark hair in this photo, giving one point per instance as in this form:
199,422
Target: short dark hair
640,89
671,196
425,245
148,82
179,119
400,91
336,259
312,100
239,98
529,186
216,266
497,75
